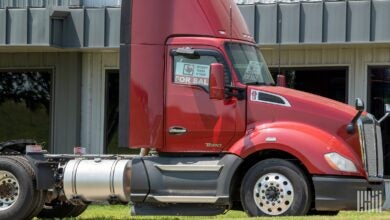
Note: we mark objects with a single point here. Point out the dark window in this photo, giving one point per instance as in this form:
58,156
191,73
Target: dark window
329,82
378,95
112,115
25,101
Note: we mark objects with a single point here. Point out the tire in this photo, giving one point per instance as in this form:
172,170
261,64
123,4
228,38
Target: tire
61,209
16,185
275,187
39,195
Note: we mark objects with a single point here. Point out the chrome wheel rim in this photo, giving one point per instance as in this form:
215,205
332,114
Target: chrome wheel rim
273,193
9,190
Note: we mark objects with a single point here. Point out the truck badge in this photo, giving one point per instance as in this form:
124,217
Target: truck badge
213,145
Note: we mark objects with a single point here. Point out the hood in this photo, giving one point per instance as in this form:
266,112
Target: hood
268,104
301,104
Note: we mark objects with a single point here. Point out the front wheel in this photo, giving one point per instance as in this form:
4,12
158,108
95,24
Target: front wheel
275,187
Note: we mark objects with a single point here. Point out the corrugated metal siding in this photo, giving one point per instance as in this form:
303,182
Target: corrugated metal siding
362,21
59,3
3,26
358,21
248,11
266,18
311,23
16,32
81,28
334,23
354,21
289,27
92,98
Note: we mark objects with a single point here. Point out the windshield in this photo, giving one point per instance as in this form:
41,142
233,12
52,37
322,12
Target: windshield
249,64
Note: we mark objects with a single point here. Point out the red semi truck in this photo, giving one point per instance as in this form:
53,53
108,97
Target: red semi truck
196,89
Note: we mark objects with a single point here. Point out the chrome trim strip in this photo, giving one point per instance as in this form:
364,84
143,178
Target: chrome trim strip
286,102
190,168
186,199
362,142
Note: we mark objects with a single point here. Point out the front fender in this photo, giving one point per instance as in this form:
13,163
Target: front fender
308,144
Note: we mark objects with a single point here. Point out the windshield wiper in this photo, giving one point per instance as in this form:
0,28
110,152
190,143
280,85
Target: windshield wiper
255,83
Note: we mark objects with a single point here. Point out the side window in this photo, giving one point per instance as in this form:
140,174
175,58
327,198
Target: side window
192,70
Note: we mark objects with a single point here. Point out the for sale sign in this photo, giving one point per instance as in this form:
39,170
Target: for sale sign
192,74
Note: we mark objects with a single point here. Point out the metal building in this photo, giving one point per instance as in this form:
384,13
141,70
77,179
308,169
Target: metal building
59,62
69,48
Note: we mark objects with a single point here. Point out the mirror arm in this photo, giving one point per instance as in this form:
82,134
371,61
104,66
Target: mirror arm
232,91
351,125
384,117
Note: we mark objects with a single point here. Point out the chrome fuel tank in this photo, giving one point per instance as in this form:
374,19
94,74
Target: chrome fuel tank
97,180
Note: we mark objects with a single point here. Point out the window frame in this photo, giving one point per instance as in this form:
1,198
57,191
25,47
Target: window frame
52,71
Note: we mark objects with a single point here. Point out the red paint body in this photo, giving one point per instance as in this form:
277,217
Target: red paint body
311,127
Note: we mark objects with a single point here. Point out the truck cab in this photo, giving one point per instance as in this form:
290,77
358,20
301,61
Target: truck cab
194,87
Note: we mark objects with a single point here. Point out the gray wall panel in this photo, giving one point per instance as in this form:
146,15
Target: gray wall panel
94,23
56,3
358,21
266,20
36,3
289,30
3,26
73,29
17,26
38,26
334,22
380,30
112,32
311,22
67,102
249,13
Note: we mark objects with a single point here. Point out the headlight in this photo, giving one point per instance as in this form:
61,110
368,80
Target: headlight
338,162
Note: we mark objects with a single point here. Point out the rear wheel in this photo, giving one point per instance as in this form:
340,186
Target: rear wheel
39,195
17,194
275,187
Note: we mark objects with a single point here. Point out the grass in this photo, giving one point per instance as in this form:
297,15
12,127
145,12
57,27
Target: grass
105,212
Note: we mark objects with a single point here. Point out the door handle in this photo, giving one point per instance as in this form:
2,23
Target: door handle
176,130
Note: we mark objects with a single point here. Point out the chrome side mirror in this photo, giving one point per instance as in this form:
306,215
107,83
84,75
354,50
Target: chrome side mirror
387,113
359,104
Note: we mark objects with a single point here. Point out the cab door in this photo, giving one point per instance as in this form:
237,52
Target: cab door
194,122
